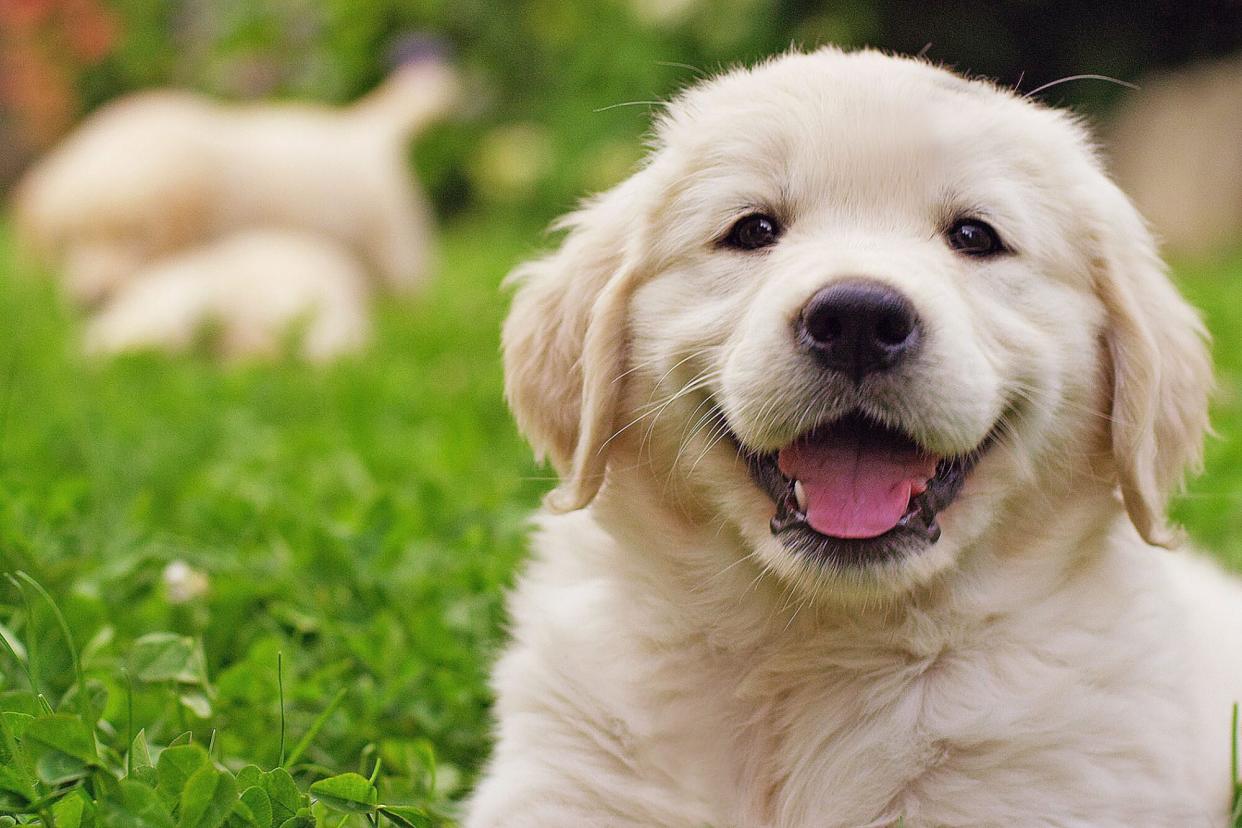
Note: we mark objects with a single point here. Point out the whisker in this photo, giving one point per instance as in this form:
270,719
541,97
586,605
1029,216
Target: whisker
674,65
1026,393
689,388
634,368
1208,496
719,432
654,409
699,353
630,103
1051,84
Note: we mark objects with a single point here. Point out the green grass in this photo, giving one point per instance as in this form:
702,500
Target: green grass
363,520
1212,505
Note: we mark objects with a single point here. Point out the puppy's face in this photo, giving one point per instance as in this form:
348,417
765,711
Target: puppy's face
863,311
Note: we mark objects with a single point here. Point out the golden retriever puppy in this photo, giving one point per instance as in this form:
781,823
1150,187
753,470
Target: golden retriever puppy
159,171
866,392
255,288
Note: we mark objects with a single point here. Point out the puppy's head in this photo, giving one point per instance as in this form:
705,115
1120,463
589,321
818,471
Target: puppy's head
864,312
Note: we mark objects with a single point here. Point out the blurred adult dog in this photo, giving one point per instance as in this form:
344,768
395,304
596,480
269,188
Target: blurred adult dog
867,392
162,171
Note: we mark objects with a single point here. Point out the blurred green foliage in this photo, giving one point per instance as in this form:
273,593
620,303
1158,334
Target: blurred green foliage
548,115
545,77
1211,507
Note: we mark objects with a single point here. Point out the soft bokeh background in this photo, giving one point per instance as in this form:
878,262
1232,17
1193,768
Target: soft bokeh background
535,134
364,519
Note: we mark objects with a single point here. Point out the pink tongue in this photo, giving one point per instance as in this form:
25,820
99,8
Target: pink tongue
858,482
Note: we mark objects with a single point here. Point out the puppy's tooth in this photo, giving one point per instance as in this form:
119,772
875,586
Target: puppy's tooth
800,495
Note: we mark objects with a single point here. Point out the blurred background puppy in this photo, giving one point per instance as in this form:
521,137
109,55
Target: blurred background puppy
149,185
252,288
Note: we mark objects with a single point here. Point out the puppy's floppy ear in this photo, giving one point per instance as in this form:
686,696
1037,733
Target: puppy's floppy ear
565,340
1161,368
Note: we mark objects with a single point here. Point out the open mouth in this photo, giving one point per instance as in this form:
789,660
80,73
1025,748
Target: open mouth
856,492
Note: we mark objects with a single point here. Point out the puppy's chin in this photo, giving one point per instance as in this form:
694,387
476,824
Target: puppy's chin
830,582
715,481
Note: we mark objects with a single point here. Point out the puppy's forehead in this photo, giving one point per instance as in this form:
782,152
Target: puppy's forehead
829,112
827,87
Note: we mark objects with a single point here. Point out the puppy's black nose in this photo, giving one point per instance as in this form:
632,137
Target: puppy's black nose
859,327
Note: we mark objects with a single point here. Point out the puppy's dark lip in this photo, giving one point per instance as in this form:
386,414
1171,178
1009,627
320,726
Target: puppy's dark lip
917,530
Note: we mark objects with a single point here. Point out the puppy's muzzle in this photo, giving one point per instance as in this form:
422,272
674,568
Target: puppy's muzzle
859,327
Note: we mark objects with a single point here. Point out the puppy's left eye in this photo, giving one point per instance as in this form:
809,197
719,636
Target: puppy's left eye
974,238
753,232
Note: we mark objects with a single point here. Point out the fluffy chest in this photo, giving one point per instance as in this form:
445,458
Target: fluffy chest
968,735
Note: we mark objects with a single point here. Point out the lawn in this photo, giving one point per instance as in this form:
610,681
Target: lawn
358,523
362,520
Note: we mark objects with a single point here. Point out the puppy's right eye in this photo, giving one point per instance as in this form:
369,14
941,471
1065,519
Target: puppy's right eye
753,232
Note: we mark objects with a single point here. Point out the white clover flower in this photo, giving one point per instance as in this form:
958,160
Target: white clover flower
183,582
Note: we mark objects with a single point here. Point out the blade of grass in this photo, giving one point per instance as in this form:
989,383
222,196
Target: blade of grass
316,726
280,688
84,702
21,662
129,724
32,637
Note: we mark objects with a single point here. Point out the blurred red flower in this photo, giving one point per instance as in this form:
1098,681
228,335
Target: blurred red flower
45,46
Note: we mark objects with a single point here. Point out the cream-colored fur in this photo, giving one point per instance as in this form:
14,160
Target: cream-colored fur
673,664
160,171
256,287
